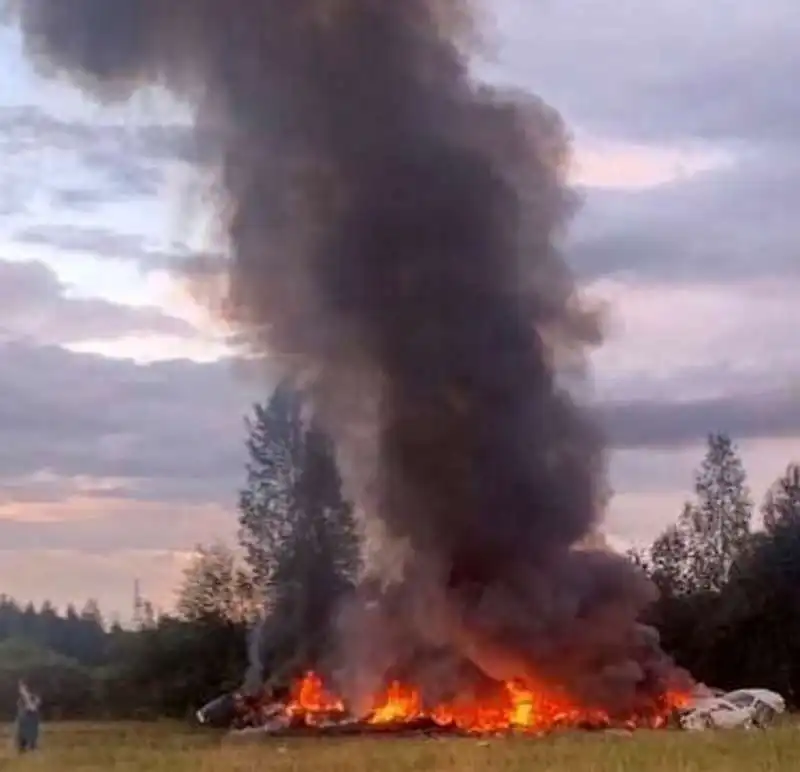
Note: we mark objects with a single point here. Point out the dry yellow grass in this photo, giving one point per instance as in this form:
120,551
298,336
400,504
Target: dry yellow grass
173,748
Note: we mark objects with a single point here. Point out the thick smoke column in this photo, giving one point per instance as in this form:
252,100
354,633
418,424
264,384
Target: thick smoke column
393,236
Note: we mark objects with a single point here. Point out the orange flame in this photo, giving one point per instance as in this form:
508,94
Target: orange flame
310,700
514,706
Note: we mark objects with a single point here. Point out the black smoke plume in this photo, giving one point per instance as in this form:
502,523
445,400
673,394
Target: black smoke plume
393,233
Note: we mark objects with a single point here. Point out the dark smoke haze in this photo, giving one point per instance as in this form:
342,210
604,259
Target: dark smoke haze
393,234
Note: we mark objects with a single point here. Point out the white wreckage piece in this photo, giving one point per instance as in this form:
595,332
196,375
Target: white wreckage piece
739,709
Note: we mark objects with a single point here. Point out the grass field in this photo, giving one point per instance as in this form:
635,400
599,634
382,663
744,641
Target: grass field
174,748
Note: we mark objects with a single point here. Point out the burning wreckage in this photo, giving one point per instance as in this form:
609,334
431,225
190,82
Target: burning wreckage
393,245
455,696
511,709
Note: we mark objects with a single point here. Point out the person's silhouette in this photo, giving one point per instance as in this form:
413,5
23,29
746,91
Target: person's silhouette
28,719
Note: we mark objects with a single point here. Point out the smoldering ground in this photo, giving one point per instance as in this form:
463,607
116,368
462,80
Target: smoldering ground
393,232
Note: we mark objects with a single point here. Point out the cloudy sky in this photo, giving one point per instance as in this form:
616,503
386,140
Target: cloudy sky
121,420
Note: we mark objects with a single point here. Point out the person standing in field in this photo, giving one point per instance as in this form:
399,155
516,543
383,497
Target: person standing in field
28,719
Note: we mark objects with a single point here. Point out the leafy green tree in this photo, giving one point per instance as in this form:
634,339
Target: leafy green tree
782,502
275,449
315,567
298,533
173,667
759,629
215,584
716,527
668,562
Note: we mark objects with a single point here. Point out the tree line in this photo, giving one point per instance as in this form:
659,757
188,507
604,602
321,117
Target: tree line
727,609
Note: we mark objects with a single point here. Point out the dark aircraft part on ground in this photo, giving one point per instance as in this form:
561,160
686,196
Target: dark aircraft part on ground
220,712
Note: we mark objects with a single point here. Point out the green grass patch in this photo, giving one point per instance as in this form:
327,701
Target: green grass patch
168,747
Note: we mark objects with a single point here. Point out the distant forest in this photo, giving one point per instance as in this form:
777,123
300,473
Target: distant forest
729,606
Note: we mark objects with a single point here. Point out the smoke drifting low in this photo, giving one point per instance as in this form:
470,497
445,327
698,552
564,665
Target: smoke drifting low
394,231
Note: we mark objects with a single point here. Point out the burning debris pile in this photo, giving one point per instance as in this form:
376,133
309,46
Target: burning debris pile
510,708
394,231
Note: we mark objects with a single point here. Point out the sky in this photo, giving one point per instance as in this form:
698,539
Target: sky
121,410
